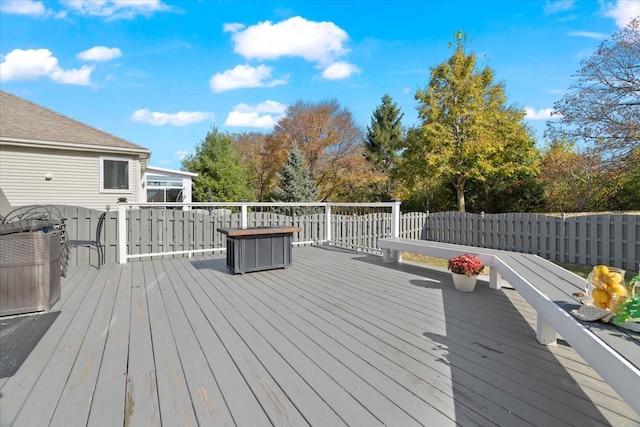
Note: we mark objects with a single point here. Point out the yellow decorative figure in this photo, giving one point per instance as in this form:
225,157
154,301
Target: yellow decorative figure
600,270
600,298
618,289
612,278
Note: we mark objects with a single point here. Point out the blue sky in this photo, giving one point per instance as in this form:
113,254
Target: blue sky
160,73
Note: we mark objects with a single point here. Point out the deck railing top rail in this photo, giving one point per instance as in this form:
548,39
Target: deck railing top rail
123,230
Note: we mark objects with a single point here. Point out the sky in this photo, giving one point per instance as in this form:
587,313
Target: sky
161,73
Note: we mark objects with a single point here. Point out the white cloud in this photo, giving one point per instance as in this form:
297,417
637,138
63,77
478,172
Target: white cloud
116,9
339,70
552,7
33,64
181,118
320,42
542,114
264,115
23,7
622,11
232,27
100,53
29,8
181,154
243,76
597,36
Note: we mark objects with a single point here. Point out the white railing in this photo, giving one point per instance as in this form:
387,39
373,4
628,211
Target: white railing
193,227
610,239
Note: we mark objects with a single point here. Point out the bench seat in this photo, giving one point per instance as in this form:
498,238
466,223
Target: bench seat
613,352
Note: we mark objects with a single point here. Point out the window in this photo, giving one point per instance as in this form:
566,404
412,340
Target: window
162,188
115,174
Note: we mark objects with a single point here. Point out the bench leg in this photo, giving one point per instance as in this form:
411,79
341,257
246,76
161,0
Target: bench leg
495,278
545,334
389,255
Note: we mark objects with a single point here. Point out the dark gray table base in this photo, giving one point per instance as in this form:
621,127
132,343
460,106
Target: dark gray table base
257,249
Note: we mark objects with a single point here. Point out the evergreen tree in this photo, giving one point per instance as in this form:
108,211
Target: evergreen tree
296,184
220,170
383,140
385,135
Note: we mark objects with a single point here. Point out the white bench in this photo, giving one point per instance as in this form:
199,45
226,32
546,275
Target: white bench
613,352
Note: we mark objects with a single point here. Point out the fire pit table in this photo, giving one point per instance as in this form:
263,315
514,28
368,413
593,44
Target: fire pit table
259,248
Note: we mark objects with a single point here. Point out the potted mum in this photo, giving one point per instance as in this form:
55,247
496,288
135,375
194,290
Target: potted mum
465,269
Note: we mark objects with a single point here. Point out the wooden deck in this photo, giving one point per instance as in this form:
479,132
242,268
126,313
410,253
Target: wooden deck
337,339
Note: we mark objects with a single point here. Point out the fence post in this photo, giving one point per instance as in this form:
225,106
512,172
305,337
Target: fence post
122,234
561,257
395,219
327,221
425,231
481,231
244,218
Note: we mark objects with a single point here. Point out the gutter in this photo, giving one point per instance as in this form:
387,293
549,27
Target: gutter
32,143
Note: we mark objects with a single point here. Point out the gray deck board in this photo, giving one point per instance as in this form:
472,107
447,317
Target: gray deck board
271,348
41,385
208,402
342,386
108,397
255,398
75,402
467,353
173,394
336,339
141,399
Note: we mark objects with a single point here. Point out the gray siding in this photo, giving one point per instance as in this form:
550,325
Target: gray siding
76,178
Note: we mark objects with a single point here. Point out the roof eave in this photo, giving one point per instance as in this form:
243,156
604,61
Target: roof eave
143,153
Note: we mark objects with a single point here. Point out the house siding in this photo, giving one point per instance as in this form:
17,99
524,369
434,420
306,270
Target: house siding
75,178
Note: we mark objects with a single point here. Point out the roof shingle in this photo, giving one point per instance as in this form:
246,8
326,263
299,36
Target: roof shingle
23,120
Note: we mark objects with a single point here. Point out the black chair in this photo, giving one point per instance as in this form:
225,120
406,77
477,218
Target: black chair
97,242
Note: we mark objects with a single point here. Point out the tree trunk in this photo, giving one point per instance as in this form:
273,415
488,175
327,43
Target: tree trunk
460,193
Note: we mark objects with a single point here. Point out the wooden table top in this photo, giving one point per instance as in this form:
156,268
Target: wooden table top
257,231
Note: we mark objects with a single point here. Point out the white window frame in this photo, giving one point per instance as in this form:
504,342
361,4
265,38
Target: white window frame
128,190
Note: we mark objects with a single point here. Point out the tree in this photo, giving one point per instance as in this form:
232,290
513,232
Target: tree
570,178
601,109
329,139
626,195
263,157
516,193
467,132
296,184
383,140
621,185
220,170
419,190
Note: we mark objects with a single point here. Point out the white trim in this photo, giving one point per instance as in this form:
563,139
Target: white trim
170,171
189,252
142,152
